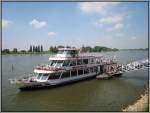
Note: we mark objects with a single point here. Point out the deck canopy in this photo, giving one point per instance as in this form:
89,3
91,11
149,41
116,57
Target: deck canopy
67,52
68,49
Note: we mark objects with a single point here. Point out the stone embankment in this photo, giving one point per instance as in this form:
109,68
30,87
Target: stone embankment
140,105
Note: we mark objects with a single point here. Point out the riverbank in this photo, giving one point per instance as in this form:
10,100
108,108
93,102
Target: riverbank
140,105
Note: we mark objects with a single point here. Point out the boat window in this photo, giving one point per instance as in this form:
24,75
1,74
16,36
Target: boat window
80,72
54,76
65,52
91,70
85,61
95,69
66,63
68,52
73,53
44,77
65,74
79,62
53,62
59,63
50,62
39,76
92,60
60,51
74,73
73,63
86,71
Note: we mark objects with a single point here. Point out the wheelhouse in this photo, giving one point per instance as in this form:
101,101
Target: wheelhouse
67,52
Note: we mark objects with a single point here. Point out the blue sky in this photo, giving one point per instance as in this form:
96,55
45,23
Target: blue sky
112,24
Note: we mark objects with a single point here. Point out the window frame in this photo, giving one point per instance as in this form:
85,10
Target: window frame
74,63
86,69
67,64
75,70
80,62
68,76
58,76
39,74
47,75
79,72
84,60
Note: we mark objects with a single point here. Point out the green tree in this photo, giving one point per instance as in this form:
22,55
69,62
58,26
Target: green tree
41,48
88,49
38,48
15,50
6,51
33,48
30,50
60,46
68,46
55,49
51,49
23,51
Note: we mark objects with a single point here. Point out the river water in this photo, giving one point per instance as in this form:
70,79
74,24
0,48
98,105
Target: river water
89,95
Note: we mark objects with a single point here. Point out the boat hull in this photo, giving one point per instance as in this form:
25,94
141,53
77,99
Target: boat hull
108,76
56,83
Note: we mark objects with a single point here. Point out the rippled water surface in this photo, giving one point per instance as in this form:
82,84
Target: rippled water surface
88,95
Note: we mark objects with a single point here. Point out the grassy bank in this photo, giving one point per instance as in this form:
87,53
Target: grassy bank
140,105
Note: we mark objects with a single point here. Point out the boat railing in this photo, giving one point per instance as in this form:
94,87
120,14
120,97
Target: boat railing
105,60
23,78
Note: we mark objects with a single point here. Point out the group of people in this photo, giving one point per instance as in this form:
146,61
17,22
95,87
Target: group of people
112,68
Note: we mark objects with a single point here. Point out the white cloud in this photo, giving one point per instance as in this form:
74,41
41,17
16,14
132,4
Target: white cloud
96,7
133,38
51,34
119,35
111,19
6,23
38,24
115,21
118,26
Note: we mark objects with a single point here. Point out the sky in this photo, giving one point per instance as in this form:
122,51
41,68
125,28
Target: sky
122,25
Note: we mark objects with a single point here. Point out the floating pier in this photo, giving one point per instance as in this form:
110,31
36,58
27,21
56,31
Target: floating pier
114,70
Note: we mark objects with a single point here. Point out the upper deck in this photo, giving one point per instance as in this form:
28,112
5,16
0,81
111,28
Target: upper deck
68,58
69,54
64,53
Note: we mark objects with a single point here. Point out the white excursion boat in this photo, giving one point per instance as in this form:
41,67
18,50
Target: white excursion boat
66,66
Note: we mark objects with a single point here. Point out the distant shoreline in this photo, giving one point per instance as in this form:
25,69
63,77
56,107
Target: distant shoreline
47,52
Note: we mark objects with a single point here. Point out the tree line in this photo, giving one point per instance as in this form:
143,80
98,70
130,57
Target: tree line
36,48
32,49
54,49
97,49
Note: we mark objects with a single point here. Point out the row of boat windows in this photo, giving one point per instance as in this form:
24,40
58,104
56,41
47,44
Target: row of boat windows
66,74
69,62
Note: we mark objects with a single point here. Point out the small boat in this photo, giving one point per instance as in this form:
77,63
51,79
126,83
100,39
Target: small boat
116,74
103,76
109,75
